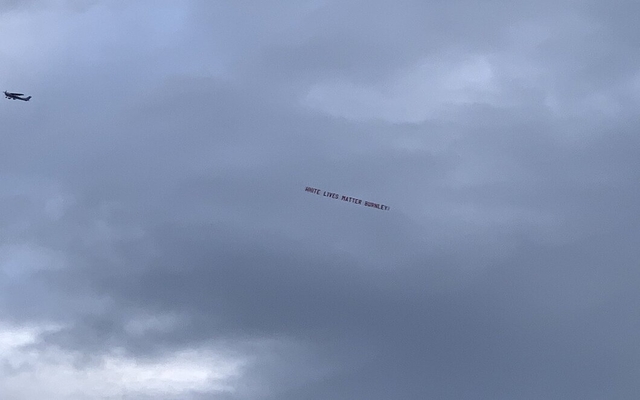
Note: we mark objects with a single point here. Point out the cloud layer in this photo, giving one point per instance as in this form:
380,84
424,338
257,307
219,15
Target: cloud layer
158,242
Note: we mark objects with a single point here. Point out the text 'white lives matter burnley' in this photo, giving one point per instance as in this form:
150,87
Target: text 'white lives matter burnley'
348,199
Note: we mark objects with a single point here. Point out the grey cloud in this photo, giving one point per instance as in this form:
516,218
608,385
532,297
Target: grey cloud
505,269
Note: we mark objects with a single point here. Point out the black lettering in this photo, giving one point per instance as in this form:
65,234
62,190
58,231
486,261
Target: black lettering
312,190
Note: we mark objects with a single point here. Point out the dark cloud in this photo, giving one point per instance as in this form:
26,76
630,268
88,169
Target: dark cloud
154,196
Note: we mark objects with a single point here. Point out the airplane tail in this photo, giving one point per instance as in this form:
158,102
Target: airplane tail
27,98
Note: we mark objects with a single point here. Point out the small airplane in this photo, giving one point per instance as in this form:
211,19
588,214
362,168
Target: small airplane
14,96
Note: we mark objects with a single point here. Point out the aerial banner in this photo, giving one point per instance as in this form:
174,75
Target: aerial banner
348,199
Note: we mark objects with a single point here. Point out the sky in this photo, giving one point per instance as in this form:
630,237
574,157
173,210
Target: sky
157,241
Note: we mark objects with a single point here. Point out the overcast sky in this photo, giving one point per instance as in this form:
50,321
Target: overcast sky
158,243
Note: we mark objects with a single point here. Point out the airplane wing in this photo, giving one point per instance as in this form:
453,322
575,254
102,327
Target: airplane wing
16,94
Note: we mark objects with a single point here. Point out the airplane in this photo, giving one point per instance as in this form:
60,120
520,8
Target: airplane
14,96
